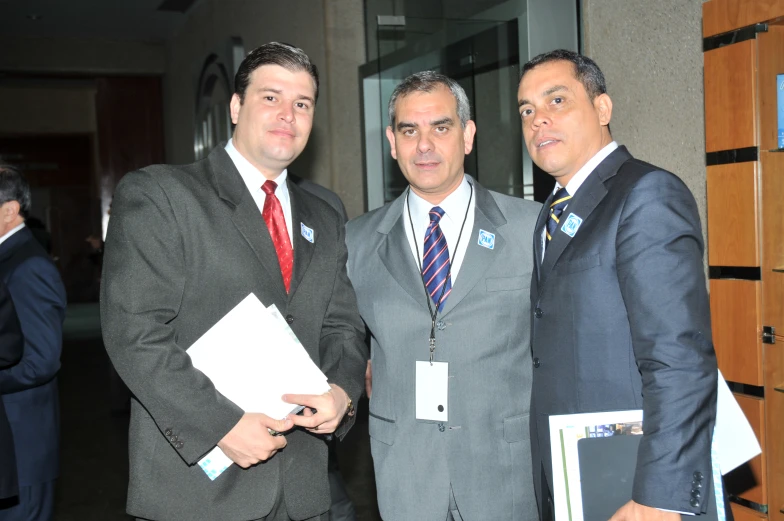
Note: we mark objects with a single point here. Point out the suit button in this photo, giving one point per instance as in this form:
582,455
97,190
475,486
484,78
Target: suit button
167,432
698,475
536,362
173,439
694,502
538,313
289,319
179,445
695,494
696,484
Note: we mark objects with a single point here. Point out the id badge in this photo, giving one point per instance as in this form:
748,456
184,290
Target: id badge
432,389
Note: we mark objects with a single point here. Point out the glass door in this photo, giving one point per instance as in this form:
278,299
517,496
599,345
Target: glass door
486,65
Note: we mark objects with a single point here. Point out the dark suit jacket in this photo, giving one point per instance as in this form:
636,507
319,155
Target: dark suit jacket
184,246
29,388
621,321
11,345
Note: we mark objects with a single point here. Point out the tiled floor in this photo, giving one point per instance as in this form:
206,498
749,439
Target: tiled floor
94,464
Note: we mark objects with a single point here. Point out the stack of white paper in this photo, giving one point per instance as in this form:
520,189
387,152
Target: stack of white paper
253,357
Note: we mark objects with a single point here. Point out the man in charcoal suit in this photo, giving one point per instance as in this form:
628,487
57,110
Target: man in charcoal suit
184,246
11,345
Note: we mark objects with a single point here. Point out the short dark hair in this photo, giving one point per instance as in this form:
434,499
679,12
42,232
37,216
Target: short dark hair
14,187
428,81
287,56
585,69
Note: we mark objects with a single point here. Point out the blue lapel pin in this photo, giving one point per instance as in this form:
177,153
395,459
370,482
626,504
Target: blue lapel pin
571,225
486,239
306,232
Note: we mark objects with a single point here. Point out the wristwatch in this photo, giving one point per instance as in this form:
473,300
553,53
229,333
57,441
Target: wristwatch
350,411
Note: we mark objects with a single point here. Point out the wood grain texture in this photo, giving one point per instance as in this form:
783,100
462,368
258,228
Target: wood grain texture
772,209
770,46
746,514
721,16
735,316
748,481
731,97
733,226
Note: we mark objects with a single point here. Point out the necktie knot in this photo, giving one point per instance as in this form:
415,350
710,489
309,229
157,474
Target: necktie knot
436,213
269,187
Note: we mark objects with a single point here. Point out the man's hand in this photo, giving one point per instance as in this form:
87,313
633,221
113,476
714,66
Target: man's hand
368,380
329,410
250,442
632,511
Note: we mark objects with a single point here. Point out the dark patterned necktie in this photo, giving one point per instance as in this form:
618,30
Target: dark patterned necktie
276,223
557,208
435,261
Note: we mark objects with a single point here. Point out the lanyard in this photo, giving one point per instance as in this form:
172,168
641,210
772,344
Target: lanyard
434,312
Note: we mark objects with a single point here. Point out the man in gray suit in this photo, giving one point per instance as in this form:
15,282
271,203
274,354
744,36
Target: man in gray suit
187,244
442,276
620,308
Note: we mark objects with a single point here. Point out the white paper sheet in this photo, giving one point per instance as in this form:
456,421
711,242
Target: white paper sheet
253,357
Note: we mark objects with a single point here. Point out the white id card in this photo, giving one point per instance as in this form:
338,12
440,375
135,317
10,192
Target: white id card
432,389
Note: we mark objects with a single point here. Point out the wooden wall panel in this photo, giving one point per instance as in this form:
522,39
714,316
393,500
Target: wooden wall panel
749,480
731,97
721,16
735,308
746,514
772,214
771,63
774,455
733,230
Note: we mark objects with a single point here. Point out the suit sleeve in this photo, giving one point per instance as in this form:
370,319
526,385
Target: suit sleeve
343,333
11,340
39,298
144,276
661,275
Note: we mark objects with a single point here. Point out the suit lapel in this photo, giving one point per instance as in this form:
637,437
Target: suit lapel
246,216
487,217
582,205
301,213
395,252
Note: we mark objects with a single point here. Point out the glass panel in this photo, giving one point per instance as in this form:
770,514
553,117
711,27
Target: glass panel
486,65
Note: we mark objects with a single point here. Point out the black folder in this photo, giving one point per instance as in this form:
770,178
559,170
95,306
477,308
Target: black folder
607,467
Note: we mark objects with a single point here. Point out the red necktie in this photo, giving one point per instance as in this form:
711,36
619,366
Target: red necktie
276,223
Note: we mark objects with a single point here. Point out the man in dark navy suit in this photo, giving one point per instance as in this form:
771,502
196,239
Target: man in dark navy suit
11,343
29,388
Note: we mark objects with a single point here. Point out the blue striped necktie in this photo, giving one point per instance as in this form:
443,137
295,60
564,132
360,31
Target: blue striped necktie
557,207
435,261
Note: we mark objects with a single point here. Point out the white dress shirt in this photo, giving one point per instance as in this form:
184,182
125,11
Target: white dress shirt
454,206
579,178
11,232
254,179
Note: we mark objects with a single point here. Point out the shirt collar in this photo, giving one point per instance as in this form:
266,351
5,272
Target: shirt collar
250,174
11,232
454,205
582,174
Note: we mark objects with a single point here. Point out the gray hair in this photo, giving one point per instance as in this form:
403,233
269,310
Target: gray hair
14,187
428,81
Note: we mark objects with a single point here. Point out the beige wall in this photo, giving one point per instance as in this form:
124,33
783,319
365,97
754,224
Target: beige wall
333,36
651,55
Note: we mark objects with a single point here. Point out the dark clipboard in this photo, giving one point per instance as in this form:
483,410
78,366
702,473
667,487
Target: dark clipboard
607,467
